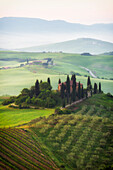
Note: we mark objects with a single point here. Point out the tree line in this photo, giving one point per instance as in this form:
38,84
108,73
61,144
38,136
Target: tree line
42,95
76,93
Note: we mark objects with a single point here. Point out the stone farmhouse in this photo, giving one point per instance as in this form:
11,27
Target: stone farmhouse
71,84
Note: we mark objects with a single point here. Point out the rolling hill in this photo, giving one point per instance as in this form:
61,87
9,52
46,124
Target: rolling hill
80,140
80,45
25,32
37,25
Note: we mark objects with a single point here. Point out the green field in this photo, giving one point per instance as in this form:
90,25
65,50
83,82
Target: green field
10,117
83,139
21,150
80,140
15,79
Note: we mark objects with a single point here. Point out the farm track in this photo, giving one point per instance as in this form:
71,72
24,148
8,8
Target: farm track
21,152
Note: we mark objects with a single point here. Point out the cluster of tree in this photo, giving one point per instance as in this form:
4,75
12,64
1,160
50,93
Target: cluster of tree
76,92
8,101
69,93
95,89
40,95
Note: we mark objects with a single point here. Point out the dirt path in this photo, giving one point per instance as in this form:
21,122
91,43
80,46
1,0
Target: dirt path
78,101
90,72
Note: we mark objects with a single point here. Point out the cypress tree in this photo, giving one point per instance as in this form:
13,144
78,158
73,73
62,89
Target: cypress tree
68,88
67,98
79,90
48,80
37,89
73,77
82,92
88,82
40,81
99,87
71,98
62,91
74,91
95,88
68,85
63,103
86,94
90,87
91,92
59,81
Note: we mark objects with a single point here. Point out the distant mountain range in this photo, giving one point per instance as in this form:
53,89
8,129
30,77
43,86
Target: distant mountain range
36,25
25,32
81,45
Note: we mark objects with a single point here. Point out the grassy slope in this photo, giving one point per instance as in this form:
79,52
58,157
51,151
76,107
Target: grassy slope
83,139
99,105
10,117
14,80
19,150
102,65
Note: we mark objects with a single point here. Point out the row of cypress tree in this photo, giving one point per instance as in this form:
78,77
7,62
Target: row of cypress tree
67,94
72,96
89,86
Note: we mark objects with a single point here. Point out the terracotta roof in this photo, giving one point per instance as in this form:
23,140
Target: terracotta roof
71,83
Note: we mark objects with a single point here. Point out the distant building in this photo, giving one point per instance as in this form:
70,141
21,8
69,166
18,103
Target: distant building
71,84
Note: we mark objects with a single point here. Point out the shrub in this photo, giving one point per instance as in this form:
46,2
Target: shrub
49,103
66,111
58,111
25,92
44,94
45,86
28,100
109,95
20,99
8,101
24,105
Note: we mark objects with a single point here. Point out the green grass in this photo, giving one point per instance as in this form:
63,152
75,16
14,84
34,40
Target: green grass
14,80
101,65
83,139
98,105
79,141
10,117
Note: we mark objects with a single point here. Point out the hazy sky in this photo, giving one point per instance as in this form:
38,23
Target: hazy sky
78,11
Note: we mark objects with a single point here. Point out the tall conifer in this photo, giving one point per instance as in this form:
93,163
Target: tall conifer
82,92
59,81
48,80
99,87
95,88
68,88
88,82
86,94
37,89
74,91
62,91
79,90
68,85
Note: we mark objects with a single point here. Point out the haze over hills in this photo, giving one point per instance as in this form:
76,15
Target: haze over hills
36,25
24,32
74,46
